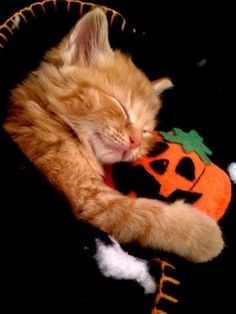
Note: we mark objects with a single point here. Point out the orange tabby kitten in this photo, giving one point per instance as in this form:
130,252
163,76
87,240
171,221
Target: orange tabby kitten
85,106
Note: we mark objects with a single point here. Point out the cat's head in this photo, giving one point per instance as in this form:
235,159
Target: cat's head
108,99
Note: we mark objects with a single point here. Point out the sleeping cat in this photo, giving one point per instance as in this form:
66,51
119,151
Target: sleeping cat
88,105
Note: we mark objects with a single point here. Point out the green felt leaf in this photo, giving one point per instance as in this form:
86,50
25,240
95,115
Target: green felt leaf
191,142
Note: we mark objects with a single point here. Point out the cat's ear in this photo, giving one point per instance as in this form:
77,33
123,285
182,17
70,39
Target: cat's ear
88,41
161,85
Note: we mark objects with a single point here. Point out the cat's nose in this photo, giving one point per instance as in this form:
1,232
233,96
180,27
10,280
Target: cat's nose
135,141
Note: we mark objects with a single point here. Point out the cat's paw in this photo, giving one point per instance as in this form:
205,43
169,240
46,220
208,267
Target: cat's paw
198,237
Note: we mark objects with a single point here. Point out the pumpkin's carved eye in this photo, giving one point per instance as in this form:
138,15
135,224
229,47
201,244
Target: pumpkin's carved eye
136,179
186,168
159,148
159,165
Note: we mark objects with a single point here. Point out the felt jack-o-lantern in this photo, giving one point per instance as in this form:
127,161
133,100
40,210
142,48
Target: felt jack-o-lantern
177,168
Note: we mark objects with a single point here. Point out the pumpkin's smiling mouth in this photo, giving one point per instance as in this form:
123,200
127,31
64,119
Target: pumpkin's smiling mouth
188,196
178,194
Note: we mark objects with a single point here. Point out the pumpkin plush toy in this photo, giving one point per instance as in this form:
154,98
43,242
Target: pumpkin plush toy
177,168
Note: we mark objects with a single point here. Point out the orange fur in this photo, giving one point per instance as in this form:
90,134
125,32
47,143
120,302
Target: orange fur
85,106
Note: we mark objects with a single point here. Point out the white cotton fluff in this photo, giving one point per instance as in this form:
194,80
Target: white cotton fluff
115,263
232,171
202,62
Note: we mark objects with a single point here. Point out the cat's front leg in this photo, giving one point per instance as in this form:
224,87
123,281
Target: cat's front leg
179,228
182,229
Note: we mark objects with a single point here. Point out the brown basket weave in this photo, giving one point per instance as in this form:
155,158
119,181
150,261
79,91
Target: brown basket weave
11,25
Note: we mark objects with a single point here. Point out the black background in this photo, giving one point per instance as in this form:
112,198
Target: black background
191,43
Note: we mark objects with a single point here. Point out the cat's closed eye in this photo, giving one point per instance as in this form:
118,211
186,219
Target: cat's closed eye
122,107
146,131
